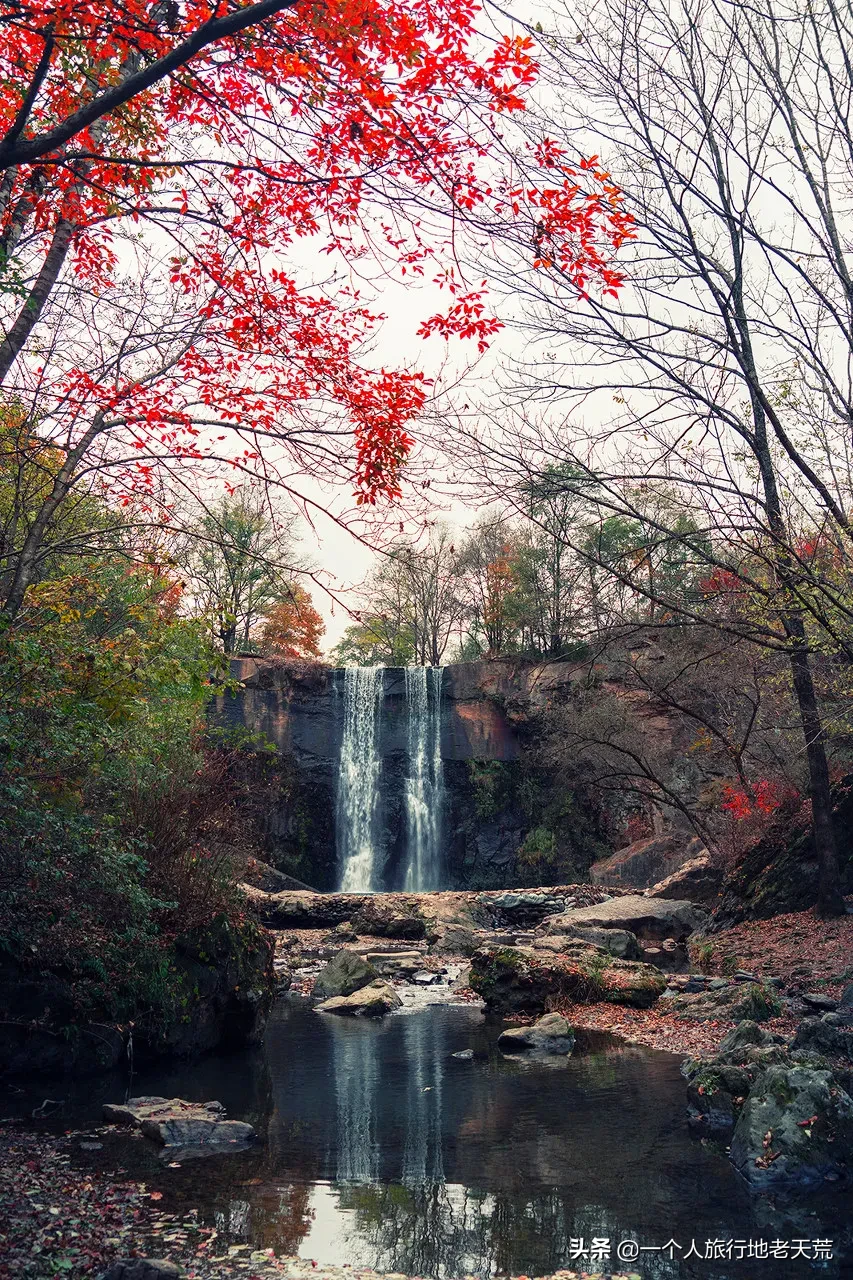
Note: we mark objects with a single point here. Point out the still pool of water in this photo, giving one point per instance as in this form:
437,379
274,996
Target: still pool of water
381,1149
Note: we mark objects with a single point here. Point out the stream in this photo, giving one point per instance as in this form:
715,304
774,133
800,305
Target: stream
379,1148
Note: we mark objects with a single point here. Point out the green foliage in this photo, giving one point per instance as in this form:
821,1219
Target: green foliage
491,785
375,642
539,848
105,787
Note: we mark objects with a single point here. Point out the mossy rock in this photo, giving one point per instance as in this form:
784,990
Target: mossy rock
513,980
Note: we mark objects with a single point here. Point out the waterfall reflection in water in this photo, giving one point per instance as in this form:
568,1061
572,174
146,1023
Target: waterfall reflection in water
381,1150
423,1155
358,782
356,1068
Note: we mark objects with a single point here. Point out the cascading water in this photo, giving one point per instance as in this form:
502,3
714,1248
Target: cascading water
358,786
424,793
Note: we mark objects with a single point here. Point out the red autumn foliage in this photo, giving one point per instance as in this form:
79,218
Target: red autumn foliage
766,798
292,130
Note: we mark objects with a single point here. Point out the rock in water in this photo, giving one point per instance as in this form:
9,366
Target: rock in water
372,1001
175,1123
551,1034
345,973
796,1126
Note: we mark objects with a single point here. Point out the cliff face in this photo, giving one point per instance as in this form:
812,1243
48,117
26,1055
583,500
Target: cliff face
298,708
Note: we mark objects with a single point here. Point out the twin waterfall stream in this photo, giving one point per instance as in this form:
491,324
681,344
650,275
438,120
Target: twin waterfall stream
359,839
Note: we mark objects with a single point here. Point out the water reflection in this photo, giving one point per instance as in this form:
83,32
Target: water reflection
423,1157
382,1150
355,1050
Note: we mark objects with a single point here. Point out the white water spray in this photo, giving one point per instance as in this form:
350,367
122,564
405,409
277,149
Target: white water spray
358,785
425,782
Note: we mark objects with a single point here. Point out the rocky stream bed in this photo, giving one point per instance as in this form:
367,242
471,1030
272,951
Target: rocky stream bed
768,1049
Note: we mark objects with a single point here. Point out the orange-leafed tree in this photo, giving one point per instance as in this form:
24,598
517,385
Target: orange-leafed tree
194,196
293,627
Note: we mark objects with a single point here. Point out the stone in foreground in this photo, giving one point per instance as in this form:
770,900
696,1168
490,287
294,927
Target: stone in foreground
175,1123
372,1001
520,979
796,1126
551,1034
345,973
620,943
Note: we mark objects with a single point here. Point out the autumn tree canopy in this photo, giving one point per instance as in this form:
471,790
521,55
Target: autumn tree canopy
293,627
194,201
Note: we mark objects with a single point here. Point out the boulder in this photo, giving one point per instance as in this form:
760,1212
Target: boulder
715,1094
227,985
620,943
736,1045
698,880
647,918
819,1002
379,920
372,1001
345,973
830,1034
175,1123
144,1269
456,940
796,1126
551,1034
646,861
519,979
732,1002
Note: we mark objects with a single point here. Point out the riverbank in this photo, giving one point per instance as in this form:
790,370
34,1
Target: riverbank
59,1221
803,959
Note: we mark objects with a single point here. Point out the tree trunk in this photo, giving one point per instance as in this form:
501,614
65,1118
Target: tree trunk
30,312
830,900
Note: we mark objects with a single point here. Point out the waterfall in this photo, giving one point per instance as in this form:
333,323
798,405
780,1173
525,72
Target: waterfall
424,793
358,784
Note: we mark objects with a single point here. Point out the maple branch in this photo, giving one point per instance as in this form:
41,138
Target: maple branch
18,124
28,316
117,95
